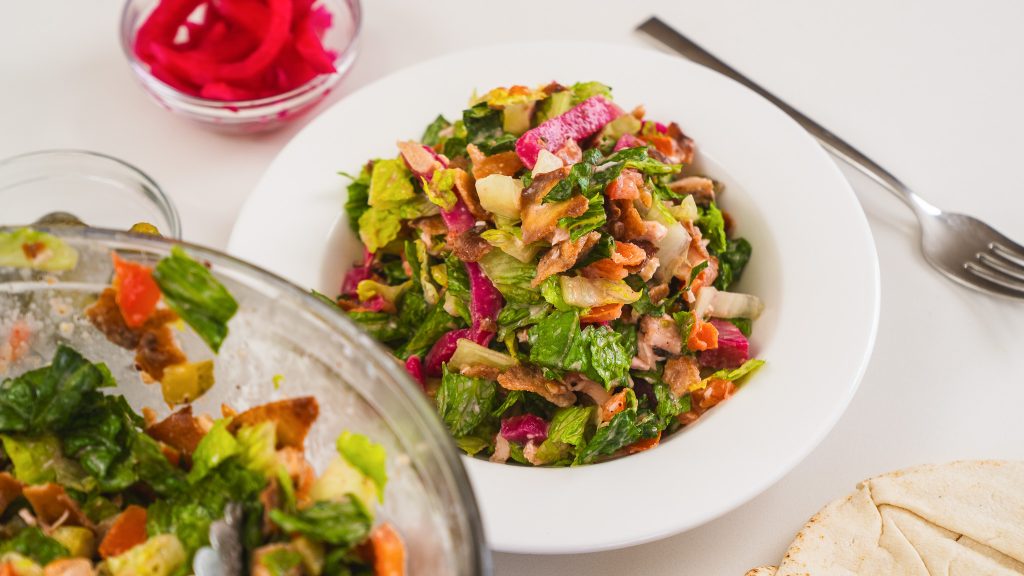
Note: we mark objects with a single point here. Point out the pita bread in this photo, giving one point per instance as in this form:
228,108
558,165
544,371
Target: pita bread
762,571
956,519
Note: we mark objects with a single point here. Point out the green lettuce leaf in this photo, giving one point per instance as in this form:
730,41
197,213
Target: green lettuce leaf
554,105
281,562
458,287
217,446
39,460
390,183
436,323
101,437
257,447
189,513
431,133
599,352
343,523
736,374
566,432
464,402
47,398
358,198
514,316
712,228
33,544
194,294
668,406
620,432
382,326
732,261
441,188
583,90
367,457
511,277
510,241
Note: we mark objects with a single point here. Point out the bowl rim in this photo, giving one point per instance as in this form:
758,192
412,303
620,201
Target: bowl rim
159,197
480,558
141,70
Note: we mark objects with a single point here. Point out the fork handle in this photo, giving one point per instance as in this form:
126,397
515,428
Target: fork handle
834,144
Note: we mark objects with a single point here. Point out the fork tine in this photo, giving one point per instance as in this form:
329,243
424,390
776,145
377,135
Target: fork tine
1006,266
1016,253
995,277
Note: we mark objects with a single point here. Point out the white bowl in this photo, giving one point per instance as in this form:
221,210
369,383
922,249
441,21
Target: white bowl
814,265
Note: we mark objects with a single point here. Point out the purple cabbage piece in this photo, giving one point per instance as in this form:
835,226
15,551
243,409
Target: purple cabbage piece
628,141
485,303
458,219
485,300
357,274
585,119
733,347
661,128
414,366
521,429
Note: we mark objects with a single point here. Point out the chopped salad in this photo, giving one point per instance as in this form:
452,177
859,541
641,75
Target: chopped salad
555,273
88,485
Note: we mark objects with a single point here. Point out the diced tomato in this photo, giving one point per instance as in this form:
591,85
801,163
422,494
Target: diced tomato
388,551
127,532
137,292
704,336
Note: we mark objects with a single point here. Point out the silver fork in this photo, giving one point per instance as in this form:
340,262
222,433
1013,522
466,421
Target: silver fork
965,249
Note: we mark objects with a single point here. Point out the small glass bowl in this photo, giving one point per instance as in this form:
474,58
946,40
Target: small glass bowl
95,189
247,116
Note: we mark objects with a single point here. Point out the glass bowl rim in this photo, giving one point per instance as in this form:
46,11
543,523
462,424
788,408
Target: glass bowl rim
160,198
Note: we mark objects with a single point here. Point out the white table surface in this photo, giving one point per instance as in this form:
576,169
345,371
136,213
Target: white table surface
934,92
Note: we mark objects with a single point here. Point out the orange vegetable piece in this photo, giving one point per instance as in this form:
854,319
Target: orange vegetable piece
388,551
127,532
7,569
605,313
641,445
614,405
628,254
137,292
704,336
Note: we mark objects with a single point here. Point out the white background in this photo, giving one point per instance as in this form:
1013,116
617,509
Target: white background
933,91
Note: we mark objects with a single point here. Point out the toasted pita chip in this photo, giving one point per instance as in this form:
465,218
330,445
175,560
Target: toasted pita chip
294,417
762,571
180,430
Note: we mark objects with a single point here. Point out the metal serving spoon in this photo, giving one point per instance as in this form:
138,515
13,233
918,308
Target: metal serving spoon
965,249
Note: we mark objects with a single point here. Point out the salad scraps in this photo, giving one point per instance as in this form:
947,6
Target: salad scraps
87,484
554,273
129,315
235,49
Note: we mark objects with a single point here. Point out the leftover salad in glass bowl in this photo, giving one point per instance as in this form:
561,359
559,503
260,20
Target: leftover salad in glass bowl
554,273
168,410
